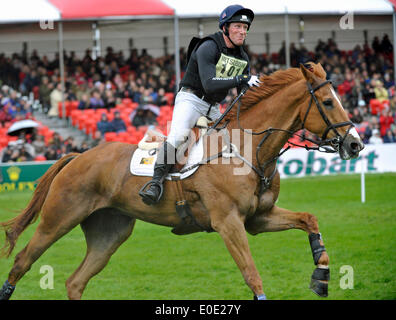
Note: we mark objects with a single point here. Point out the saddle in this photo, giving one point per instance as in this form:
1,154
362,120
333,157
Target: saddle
153,140
188,155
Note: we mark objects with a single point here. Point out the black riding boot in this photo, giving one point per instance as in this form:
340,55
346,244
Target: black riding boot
165,161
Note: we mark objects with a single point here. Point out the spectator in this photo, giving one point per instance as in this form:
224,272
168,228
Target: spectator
44,93
376,45
98,139
389,137
109,99
151,115
392,104
84,147
336,77
39,146
161,100
71,145
393,129
356,116
139,117
62,151
84,102
380,92
55,98
14,155
363,136
30,81
96,101
104,125
24,155
56,141
368,93
388,82
146,97
13,98
375,138
386,45
117,124
7,155
51,154
385,121
5,116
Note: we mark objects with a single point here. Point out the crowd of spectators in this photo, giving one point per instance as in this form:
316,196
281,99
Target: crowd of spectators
360,75
363,78
29,147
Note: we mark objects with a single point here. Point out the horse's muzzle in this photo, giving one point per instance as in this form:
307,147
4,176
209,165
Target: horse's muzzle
351,146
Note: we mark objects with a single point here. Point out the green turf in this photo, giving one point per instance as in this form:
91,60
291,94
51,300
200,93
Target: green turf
155,264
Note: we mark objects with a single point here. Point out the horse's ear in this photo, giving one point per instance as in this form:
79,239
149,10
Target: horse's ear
307,72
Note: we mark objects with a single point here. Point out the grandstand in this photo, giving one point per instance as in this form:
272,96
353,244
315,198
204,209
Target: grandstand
361,70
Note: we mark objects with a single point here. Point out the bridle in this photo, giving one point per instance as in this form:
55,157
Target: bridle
336,141
322,144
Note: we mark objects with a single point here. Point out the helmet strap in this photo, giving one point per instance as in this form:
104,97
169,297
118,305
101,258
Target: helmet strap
227,34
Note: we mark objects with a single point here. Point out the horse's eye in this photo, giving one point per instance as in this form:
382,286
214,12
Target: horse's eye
328,104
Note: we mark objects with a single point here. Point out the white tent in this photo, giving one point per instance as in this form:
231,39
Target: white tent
28,11
210,8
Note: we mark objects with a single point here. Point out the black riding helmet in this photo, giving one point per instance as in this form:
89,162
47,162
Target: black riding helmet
235,13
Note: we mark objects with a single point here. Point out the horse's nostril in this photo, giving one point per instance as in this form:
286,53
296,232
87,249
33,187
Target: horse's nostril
354,146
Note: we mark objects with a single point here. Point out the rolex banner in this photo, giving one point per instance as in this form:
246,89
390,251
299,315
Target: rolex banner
20,176
374,158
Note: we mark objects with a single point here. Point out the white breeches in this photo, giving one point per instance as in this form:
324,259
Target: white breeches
188,109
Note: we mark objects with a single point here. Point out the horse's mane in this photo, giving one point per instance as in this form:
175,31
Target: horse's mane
271,84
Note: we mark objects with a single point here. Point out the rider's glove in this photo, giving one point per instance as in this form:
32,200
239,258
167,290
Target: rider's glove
244,79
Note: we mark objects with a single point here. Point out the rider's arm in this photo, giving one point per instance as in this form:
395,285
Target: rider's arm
206,58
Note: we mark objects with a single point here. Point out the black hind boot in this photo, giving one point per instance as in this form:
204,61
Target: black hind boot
165,161
6,291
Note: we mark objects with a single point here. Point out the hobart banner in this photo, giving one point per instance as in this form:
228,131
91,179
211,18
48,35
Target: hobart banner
373,158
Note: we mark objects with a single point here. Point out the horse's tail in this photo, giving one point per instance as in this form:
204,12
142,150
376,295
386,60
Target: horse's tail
14,227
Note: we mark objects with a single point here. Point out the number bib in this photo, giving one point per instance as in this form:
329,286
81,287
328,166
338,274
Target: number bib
228,66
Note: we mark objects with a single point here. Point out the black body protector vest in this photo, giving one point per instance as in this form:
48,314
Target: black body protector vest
230,63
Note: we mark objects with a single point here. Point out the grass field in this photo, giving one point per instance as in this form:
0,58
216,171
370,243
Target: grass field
155,264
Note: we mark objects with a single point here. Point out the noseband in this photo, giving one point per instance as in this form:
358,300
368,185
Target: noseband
335,142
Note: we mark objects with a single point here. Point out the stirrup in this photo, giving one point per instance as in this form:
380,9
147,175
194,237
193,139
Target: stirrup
148,200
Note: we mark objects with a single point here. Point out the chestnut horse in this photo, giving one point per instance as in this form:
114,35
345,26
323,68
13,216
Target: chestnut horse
96,189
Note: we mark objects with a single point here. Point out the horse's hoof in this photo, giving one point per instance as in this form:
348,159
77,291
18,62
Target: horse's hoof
319,287
319,281
260,297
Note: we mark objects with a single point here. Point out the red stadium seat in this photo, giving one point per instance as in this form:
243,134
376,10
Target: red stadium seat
110,136
169,96
90,126
81,122
131,130
40,158
74,115
100,111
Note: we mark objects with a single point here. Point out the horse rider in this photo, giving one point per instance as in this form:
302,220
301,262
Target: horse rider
216,64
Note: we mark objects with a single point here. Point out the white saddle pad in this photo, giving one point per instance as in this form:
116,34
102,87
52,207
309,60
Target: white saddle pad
142,162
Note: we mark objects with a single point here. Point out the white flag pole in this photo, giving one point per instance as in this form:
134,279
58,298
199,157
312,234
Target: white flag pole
362,181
